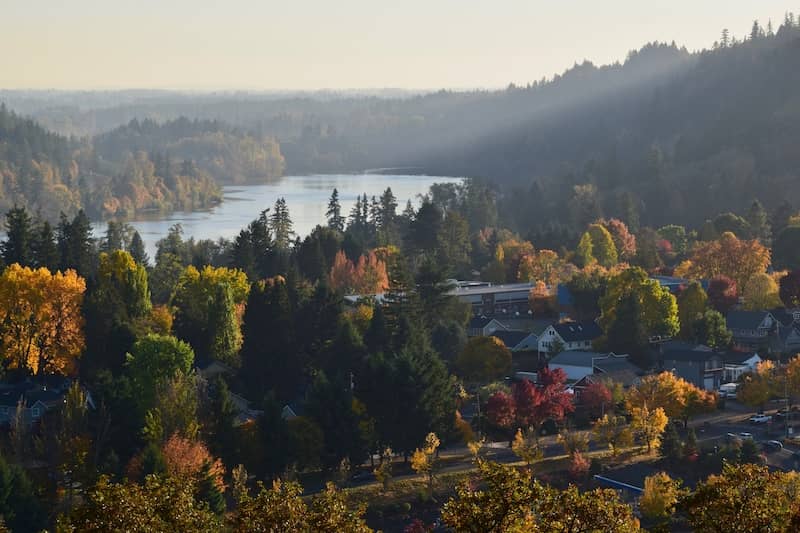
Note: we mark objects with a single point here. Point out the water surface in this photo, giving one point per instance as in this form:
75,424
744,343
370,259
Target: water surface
306,196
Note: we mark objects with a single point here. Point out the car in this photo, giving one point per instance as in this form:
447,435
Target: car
773,445
745,435
760,419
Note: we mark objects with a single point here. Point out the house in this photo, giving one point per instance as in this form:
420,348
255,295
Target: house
568,336
482,326
752,330
488,299
579,364
790,339
518,341
36,399
616,368
738,363
700,366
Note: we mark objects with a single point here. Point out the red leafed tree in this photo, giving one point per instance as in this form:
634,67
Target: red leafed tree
722,293
624,240
548,399
596,397
790,289
185,458
500,410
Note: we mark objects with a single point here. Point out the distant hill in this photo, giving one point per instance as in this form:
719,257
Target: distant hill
669,134
226,153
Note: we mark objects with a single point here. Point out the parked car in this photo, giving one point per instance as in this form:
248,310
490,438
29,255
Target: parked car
760,419
746,435
773,445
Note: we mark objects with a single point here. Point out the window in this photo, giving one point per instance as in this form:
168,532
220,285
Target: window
35,412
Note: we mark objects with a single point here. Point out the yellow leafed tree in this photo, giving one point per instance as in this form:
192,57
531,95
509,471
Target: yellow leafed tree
41,325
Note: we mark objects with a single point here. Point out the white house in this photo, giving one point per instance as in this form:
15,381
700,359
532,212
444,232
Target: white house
738,363
568,336
484,326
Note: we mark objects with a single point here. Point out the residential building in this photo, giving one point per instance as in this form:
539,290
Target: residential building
482,326
738,363
579,364
752,330
567,336
518,341
700,365
35,399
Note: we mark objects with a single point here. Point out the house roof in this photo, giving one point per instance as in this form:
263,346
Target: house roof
745,319
615,363
488,288
674,346
575,358
689,355
510,338
737,358
783,315
578,331
480,322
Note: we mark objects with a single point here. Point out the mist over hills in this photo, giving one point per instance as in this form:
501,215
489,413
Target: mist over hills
676,134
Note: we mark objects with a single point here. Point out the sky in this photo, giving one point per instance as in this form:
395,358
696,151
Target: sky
342,44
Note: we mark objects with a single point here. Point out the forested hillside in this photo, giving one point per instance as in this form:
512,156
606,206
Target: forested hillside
225,153
50,174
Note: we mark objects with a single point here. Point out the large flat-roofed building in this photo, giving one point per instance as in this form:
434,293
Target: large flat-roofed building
488,299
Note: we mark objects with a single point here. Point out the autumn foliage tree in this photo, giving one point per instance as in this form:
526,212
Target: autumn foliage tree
624,240
728,256
597,399
41,325
676,396
723,293
367,276
546,400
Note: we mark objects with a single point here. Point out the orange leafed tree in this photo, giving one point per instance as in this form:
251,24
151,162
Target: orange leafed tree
367,276
728,256
40,319
185,458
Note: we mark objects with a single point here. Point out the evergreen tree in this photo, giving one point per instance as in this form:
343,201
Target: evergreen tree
627,335
137,250
19,507
268,356
671,446
274,435
222,415
76,245
759,223
45,250
116,237
334,212
281,225
17,248
208,491
376,338
330,404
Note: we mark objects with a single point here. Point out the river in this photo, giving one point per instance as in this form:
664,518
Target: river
306,196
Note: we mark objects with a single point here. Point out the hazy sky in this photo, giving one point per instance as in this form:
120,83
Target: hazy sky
311,44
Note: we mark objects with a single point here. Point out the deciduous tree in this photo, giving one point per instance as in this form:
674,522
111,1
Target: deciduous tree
483,359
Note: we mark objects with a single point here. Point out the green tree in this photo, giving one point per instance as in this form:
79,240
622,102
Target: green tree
153,359
786,248
454,244
17,248
758,220
20,508
691,306
137,251
656,305
76,244
712,330
334,212
671,445
208,491
280,224
483,359
583,254
603,248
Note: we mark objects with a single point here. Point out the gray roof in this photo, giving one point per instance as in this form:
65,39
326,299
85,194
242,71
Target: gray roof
745,319
736,358
511,338
578,331
491,289
689,355
575,358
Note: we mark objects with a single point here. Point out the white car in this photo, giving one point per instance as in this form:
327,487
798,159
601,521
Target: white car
746,435
760,419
